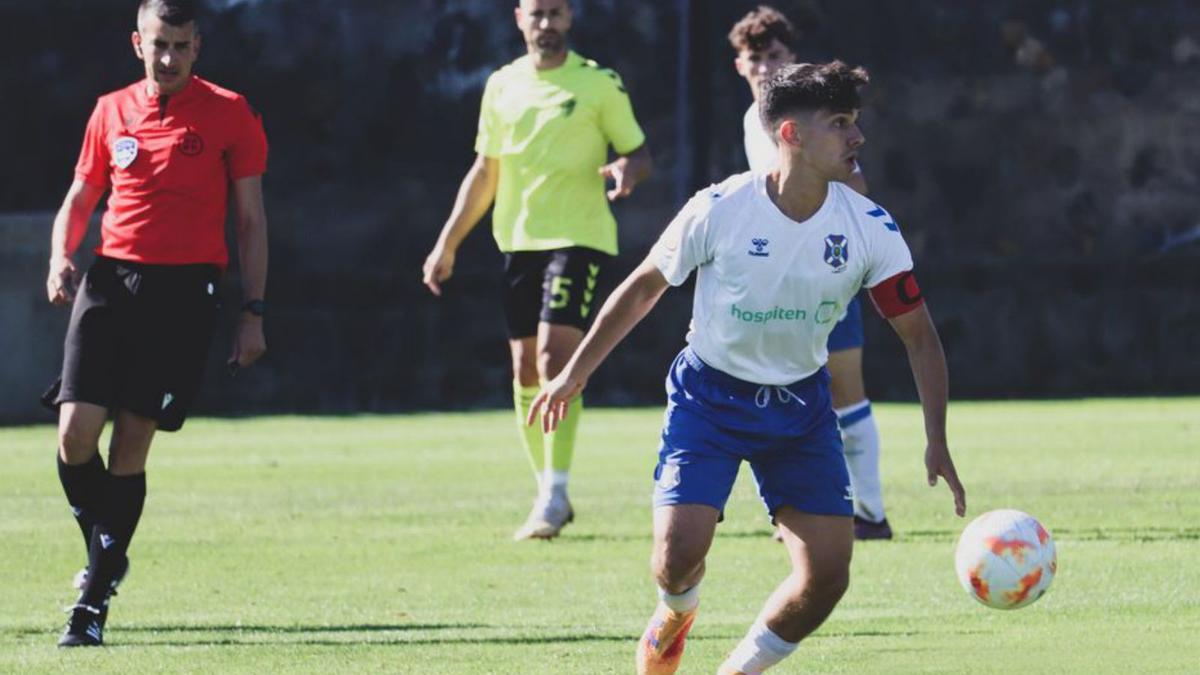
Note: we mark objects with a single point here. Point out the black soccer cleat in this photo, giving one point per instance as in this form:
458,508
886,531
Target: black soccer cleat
866,530
85,628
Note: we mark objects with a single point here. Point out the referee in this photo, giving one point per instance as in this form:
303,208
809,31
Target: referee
168,149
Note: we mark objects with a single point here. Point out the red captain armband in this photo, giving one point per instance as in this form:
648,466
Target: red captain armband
897,295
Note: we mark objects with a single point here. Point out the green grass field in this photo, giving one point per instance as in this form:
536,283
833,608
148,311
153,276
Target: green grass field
381,544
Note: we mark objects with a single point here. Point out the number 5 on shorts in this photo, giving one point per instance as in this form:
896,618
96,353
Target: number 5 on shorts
560,292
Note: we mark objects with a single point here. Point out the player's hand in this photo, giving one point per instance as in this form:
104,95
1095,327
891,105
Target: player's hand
62,281
939,463
552,401
248,343
623,183
439,266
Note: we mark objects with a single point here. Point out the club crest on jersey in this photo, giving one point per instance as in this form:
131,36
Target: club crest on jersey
124,151
669,477
760,248
837,252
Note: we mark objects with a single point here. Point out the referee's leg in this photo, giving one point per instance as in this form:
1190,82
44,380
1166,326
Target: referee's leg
130,445
80,468
79,428
122,499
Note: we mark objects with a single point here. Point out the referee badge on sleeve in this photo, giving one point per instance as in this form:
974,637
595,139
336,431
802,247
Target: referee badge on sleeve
124,151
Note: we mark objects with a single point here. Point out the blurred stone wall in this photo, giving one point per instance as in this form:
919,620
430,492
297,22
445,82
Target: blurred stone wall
1042,158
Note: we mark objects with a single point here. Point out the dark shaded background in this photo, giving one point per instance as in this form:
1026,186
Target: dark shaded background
1042,158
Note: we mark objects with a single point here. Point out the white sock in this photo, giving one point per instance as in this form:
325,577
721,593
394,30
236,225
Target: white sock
860,436
759,650
682,602
553,483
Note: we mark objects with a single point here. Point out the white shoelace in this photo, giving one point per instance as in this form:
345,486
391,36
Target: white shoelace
72,608
762,398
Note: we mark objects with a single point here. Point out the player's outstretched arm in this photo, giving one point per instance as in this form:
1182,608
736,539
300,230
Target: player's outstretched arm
627,171
249,343
928,363
475,197
70,226
627,305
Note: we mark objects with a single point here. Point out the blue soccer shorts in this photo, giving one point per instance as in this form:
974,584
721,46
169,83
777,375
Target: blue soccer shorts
789,435
848,333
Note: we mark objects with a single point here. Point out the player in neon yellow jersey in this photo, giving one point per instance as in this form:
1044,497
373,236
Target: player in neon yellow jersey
545,127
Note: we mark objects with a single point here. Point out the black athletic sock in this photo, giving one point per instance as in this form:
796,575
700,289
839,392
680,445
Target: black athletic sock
124,497
84,487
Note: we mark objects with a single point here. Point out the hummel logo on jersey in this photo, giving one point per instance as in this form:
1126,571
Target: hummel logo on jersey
106,541
878,212
167,398
849,496
568,107
837,252
760,246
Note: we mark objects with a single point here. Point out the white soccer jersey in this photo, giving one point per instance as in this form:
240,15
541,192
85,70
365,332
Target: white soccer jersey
769,289
761,152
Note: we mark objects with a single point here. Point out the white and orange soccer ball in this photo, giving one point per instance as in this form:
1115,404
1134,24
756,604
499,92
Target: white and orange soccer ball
1005,559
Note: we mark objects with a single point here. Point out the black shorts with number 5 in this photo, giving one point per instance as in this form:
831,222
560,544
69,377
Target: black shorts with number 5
557,286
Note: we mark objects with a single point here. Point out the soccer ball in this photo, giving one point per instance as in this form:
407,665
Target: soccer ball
1005,559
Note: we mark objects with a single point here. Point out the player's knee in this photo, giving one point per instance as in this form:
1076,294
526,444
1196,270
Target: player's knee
550,362
75,445
676,570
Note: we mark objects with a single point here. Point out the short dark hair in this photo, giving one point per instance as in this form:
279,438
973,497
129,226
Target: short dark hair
171,12
756,30
808,87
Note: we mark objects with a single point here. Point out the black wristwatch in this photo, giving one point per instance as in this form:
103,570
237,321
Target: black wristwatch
255,307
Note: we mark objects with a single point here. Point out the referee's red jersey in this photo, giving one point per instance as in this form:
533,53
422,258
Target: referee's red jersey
169,161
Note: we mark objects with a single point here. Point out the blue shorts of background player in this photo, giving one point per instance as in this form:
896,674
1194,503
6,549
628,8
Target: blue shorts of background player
848,333
789,434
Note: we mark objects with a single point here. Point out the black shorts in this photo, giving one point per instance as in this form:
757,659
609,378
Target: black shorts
138,339
557,287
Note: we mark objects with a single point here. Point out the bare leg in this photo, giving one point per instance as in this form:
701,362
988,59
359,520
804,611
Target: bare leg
820,549
130,444
682,536
79,429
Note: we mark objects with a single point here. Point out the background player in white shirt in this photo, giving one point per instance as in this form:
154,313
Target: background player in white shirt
777,257
763,40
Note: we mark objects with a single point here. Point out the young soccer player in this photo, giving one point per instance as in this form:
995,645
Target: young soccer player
777,257
763,41
545,127
169,149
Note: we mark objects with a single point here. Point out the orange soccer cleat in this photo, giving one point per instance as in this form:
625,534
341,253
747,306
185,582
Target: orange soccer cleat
661,647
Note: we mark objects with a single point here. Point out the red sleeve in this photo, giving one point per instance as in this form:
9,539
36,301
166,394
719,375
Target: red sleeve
248,153
93,165
897,295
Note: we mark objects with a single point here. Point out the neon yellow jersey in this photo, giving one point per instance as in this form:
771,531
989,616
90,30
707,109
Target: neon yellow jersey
550,131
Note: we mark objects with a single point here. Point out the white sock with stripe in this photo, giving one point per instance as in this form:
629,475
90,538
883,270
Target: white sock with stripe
860,436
